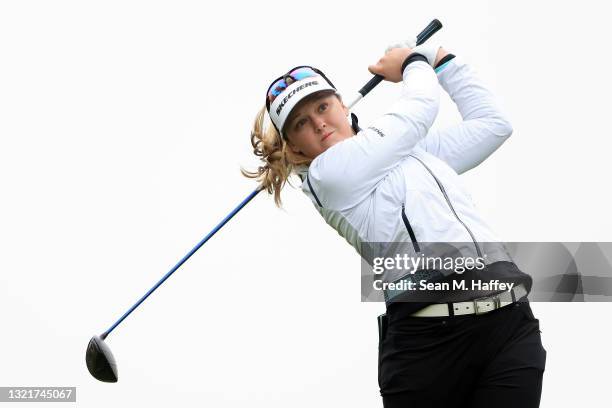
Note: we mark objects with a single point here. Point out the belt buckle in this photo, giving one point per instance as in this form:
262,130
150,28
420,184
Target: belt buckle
494,299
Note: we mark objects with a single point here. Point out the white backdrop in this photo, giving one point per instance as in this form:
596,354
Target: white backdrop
123,125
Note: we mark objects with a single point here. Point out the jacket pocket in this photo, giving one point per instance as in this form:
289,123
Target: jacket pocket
415,244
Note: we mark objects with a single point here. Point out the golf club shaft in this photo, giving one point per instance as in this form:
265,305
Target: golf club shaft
434,26
423,36
185,258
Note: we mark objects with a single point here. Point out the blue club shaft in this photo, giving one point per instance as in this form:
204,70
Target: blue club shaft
182,261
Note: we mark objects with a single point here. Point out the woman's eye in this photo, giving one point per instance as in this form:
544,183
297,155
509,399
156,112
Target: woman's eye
300,123
323,106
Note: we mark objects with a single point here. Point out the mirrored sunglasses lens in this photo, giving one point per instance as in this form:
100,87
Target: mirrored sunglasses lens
276,88
302,73
297,74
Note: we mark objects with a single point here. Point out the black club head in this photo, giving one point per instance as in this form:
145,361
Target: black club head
100,361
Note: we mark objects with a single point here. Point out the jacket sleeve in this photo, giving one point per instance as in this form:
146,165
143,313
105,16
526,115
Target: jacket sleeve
346,173
484,127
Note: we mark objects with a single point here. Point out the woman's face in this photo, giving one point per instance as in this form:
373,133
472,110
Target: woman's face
317,124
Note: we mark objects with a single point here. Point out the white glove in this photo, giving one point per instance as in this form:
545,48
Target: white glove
429,51
410,43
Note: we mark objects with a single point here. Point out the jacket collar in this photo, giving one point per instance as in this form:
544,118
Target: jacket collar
302,171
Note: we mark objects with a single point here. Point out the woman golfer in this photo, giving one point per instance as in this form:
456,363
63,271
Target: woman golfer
396,181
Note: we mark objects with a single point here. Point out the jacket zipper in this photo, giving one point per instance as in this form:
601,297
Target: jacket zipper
451,206
415,244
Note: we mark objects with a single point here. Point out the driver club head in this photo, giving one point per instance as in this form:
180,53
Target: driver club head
100,361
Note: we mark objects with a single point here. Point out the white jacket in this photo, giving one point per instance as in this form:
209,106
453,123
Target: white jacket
397,181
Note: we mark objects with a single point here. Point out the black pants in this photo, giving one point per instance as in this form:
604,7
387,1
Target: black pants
491,360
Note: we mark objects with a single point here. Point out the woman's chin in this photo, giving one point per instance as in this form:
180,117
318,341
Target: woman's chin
332,140
326,144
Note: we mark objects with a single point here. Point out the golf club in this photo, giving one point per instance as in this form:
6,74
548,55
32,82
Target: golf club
100,361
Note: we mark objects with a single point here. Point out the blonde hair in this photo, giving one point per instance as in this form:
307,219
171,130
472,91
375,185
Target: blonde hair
279,161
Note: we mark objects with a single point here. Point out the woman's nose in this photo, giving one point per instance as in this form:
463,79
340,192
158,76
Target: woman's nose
320,123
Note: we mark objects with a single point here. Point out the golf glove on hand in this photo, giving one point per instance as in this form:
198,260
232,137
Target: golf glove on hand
428,50
410,43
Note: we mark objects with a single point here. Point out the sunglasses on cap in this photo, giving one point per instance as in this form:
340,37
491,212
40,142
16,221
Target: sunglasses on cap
295,74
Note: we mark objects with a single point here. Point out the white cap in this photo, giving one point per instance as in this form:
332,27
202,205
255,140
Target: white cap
284,103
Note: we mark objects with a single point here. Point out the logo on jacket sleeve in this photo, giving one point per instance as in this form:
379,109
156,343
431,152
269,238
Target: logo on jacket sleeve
380,133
